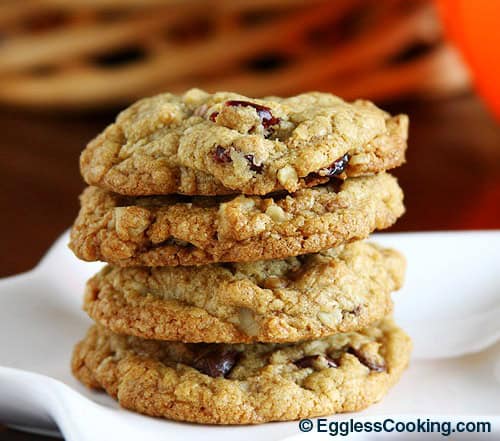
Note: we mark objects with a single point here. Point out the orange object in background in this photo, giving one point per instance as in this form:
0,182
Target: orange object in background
474,26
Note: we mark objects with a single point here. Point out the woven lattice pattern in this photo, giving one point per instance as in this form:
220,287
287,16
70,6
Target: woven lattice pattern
77,54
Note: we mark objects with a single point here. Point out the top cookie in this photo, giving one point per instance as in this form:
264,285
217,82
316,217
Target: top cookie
222,143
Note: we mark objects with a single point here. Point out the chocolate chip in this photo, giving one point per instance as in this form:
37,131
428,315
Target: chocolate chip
335,169
221,155
253,166
216,363
213,116
266,117
370,364
308,362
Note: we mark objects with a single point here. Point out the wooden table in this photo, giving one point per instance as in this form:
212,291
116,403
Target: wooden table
451,180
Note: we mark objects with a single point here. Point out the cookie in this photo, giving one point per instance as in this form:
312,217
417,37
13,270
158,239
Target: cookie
182,230
244,384
207,144
343,289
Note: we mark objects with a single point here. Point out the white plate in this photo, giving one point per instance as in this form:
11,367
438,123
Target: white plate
450,305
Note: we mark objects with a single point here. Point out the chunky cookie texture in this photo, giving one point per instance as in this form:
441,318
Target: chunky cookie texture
244,384
221,143
180,230
299,298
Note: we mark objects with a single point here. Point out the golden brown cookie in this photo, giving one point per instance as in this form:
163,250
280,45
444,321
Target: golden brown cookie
221,143
244,384
181,230
343,289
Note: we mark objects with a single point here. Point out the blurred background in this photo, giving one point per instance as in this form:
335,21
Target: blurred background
68,66
102,54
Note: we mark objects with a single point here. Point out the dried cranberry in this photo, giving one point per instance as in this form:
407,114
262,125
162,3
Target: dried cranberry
266,117
308,362
357,310
221,155
331,362
370,364
216,363
338,166
213,116
335,169
253,166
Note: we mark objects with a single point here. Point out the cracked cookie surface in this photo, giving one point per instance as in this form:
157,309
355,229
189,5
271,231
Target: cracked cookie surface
244,384
180,230
340,290
207,144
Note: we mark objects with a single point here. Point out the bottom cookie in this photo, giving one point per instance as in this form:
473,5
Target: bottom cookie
244,384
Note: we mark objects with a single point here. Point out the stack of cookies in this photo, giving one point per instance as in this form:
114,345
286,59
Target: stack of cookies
239,287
